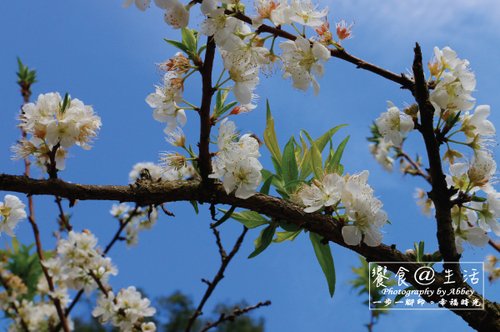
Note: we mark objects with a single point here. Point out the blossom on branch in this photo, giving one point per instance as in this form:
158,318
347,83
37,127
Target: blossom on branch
125,310
302,61
54,124
236,161
363,211
394,125
12,210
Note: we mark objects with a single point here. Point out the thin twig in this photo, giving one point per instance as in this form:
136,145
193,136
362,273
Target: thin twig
416,167
222,251
218,277
50,282
235,314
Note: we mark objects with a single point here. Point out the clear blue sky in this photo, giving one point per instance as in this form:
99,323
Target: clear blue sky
106,55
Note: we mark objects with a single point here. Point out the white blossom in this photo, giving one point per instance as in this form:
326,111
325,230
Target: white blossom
53,123
154,171
78,262
12,210
394,125
363,211
176,14
142,5
236,162
305,13
126,310
277,11
324,193
164,102
477,124
303,61
380,151
455,82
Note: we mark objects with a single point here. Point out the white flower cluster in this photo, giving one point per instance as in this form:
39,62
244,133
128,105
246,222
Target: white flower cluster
79,263
301,61
363,211
54,123
12,210
236,161
280,12
171,169
474,219
38,316
381,151
165,99
126,310
394,125
137,220
455,82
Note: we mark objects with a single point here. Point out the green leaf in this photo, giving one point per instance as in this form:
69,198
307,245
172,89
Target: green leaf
326,137
325,260
267,185
316,162
225,217
189,39
250,219
264,240
286,236
277,166
178,45
195,206
289,165
334,165
270,135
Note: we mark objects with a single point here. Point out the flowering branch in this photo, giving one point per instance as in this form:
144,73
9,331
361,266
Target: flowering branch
401,79
325,226
236,313
440,193
50,282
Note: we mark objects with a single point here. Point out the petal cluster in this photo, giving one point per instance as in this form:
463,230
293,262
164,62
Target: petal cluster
362,211
236,161
52,125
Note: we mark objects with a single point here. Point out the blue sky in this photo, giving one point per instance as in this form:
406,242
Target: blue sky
105,55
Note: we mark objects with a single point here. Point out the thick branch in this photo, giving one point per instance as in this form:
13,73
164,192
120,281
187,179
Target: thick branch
206,102
276,208
440,194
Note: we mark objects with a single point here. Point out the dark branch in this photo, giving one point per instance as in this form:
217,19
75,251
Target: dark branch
218,277
276,208
206,102
440,194
235,314
401,79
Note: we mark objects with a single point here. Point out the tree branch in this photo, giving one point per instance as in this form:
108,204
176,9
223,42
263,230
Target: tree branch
440,194
218,277
204,112
401,79
276,208
236,313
